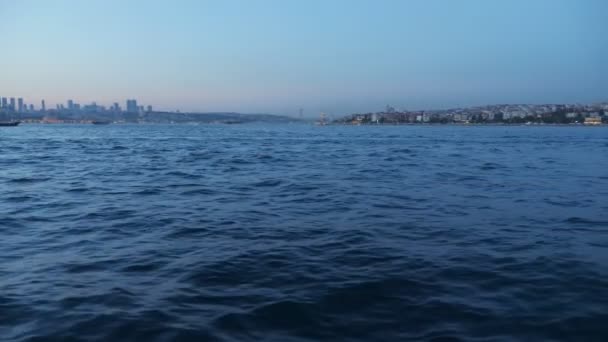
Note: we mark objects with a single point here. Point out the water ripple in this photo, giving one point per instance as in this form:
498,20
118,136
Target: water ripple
300,233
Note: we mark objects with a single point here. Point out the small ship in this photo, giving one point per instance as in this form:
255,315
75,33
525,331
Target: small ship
9,123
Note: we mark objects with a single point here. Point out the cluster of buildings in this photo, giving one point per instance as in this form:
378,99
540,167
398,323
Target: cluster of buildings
70,112
9,104
517,114
12,109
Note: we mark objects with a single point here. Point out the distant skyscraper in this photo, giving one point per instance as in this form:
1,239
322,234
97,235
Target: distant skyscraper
132,106
149,108
12,104
4,102
20,104
70,105
43,106
31,107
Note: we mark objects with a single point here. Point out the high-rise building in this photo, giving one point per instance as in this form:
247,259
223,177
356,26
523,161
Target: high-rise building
20,104
149,109
12,104
4,102
43,106
70,105
116,107
132,106
31,107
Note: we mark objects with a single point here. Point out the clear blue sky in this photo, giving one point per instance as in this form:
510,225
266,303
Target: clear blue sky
276,56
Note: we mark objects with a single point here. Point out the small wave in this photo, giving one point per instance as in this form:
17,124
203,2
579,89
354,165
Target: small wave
198,192
142,267
456,155
283,315
80,189
97,266
237,161
148,192
264,156
29,180
268,183
580,220
295,188
116,297
567,204
469,179
490,166
182,175
18,199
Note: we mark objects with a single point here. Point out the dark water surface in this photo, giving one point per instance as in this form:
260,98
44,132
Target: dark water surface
301,233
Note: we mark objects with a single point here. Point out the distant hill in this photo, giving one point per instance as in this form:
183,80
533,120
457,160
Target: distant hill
150,117
219,117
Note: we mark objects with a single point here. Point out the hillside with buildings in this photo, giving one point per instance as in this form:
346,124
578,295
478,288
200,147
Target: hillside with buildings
506,114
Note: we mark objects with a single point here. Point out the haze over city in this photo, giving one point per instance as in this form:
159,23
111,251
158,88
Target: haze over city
276,57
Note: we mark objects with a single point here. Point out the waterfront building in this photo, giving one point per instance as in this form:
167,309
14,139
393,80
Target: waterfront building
4,102
20,104
12,104
43,106
593,121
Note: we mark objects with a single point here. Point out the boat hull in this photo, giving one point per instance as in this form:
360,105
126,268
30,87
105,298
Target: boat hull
10,124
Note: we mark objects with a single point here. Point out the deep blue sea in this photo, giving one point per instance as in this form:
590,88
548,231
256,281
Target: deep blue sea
302,233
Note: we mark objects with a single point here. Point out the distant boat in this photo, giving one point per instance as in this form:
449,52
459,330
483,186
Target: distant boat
322,121
9,123
100,122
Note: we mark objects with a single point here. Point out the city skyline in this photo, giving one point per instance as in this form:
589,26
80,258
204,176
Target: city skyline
338,57
19,105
